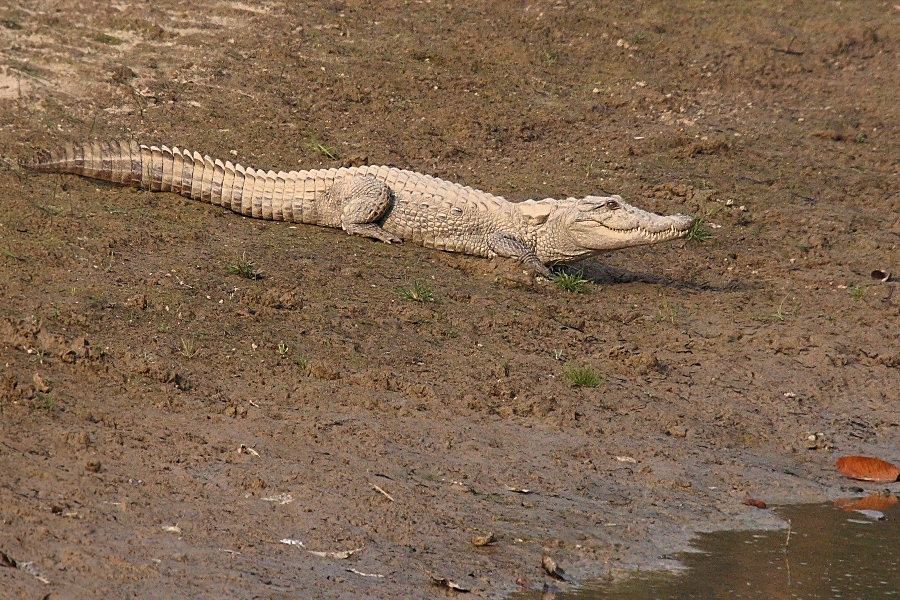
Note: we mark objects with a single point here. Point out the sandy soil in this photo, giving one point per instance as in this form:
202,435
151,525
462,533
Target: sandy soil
164,423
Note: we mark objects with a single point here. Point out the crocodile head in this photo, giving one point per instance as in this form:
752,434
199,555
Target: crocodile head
593,224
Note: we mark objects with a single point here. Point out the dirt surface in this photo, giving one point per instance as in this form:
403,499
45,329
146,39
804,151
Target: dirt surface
166,423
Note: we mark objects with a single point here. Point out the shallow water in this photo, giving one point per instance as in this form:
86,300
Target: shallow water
830,554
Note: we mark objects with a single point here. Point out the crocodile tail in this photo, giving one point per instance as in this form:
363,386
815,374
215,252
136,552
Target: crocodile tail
254,193
116,161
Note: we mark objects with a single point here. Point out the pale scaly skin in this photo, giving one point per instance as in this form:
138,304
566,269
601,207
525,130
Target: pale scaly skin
383,203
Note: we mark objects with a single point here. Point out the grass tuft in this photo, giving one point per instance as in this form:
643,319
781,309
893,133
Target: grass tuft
189,349
580,375
245,268
322,149
571,282
700,232
418,292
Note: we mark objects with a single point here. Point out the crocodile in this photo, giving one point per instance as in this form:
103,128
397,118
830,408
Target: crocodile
380,202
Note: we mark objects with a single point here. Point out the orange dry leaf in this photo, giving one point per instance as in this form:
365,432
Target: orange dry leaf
873,502
867,469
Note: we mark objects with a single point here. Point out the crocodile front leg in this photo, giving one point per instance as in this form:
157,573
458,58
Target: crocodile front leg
509,247
364,200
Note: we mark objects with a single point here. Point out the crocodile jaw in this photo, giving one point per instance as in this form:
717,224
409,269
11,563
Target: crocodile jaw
594,224
602,236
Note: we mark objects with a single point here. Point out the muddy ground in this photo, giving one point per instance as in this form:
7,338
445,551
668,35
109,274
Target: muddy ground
165,423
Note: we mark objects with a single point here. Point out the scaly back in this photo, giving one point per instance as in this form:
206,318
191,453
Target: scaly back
288,196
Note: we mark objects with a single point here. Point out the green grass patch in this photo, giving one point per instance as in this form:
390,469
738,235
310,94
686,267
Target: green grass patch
418,292
320,148
580,375
700,232
571,282
245,268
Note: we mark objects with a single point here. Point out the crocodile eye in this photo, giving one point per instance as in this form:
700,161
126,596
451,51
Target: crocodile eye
612,204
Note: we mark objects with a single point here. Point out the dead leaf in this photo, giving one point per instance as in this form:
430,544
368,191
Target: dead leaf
518,490
524,582
292,542
873,502
340,555
484,540
550,566
242,449
279,498
553,569
756,503
32,570
867,468
447,583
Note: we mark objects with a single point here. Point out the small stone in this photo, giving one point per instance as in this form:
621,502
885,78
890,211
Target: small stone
92,466
677,431
484,540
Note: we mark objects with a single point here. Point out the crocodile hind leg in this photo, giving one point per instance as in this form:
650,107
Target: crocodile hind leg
509,247
364,201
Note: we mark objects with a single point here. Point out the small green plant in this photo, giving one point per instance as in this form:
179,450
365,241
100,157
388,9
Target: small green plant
857,292
700,232
189,349
668,312
571,282
245,268
282,349
54,314
47,403
322,149
302,363
580,375
163,328
549,58
418,291
779,312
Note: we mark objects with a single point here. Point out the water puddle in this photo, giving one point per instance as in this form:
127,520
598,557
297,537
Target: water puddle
832,553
